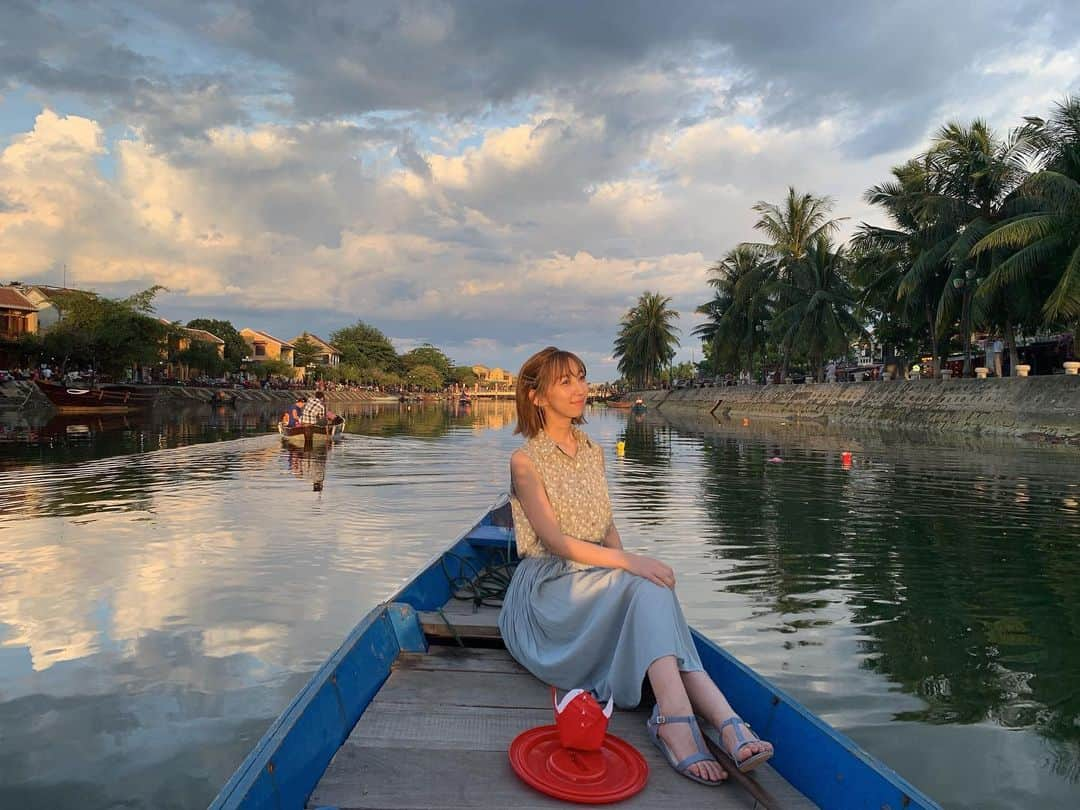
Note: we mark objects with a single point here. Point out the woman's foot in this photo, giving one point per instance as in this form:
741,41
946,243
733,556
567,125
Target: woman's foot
742,746
680,739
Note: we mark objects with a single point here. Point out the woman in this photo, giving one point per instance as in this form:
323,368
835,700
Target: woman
582,612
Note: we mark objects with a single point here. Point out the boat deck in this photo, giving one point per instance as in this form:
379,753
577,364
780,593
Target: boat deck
436,735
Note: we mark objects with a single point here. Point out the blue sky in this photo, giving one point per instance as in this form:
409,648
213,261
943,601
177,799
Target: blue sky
490,176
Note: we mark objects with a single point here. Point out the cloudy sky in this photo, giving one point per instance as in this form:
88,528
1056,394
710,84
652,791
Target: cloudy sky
490,176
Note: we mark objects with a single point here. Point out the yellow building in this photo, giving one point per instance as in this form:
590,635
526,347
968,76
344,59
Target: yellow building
494,378
328,355
18,314
267,347
180,339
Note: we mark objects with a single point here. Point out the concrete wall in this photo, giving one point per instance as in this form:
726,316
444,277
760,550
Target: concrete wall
1037,406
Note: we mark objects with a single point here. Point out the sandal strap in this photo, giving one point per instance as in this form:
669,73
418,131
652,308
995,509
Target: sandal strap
661,719
741,740
694,759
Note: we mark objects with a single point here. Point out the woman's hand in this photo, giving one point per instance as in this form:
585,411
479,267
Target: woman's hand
650,569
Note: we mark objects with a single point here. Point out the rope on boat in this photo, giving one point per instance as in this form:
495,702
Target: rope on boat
483,587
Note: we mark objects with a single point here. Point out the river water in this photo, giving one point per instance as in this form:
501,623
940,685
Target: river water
168,583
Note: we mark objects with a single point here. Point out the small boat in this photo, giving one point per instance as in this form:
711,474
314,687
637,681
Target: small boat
100,399
464,399
638,406
312,435
618,402
418,707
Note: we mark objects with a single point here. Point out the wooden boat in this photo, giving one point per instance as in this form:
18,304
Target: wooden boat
616,402
102,399
400,716
312,435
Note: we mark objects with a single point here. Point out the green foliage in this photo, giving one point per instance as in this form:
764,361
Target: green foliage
425,377
304,351
365,346
428,355
463,375
204,357
109,335
235,347
647,338
271,368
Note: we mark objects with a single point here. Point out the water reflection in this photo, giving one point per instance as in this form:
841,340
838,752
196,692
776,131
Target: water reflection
158,609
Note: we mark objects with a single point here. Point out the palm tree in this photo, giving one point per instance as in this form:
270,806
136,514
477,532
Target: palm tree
1043,235
904,269
791,228
646,339
738,309
976,173
820,314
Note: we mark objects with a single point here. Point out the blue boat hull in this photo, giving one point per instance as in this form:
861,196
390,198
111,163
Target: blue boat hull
287,763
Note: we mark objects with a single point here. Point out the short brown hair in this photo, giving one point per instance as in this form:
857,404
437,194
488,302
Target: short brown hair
538,372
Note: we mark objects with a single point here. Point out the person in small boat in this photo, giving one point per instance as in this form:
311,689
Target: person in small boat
315,411
291,417
580,611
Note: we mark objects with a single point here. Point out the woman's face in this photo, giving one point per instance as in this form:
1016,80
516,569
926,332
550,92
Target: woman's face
566,394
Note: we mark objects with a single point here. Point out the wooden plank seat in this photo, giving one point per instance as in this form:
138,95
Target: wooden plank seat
437,733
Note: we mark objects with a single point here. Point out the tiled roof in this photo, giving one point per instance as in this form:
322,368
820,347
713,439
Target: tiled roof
202,334
268,336
318,341
10,298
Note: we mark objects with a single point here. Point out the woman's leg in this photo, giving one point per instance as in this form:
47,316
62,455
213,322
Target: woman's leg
708,701
671,695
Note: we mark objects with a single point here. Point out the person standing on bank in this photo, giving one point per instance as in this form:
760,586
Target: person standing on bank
580,612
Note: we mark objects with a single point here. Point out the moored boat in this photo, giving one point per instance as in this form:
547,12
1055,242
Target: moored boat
399,716
101,399
312,435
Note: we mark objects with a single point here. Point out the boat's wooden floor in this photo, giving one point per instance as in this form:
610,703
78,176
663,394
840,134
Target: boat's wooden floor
437,733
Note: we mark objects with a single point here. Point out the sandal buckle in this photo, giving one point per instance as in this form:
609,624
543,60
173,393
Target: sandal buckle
660,719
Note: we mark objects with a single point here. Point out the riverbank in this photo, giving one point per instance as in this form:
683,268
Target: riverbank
1039,408
24,395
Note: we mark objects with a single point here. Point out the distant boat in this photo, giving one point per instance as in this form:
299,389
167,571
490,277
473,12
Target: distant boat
101,399
638,406
314,435
464,399
399,696
618,401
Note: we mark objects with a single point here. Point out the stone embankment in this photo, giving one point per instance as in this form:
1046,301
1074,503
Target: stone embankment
27,396
1045,408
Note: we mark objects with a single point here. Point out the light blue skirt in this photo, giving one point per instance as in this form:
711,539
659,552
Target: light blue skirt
597,629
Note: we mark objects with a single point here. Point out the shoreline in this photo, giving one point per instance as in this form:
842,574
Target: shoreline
22,395
1042,409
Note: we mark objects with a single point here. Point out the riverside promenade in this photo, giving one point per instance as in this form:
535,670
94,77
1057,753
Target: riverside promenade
24,395
1039,408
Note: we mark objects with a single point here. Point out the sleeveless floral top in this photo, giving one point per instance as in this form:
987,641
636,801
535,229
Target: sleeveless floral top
576,488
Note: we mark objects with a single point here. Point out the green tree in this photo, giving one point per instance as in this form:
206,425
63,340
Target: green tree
364,346
266,369
792,228
1043,233
977,173
236,349
304,351
428,355
647,339
463,375
820,313
110,335
424,377
203,356
902,270
739,309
